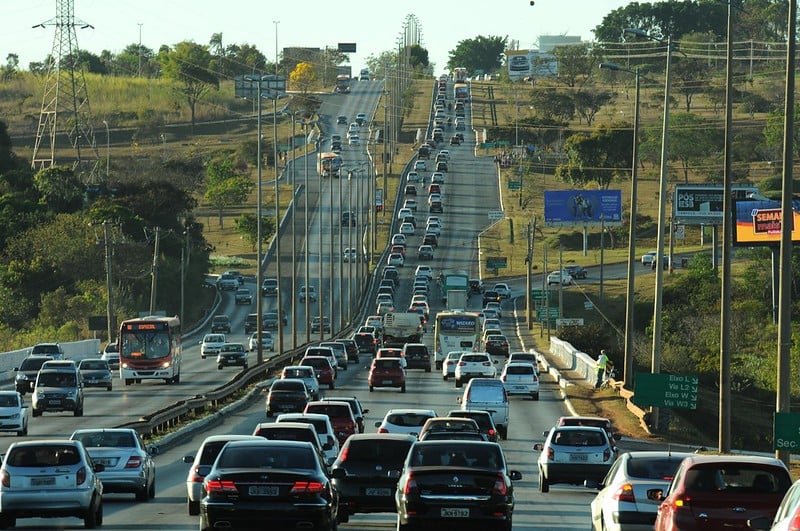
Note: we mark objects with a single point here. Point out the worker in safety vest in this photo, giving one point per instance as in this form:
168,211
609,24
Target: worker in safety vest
601,365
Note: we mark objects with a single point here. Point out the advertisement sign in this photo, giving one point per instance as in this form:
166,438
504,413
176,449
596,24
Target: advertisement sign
463,323
759,222
702,205
582,208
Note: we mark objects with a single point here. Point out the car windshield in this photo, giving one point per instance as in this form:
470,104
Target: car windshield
368,451
519,369
8,401
56,379
93,365
32,364
146,345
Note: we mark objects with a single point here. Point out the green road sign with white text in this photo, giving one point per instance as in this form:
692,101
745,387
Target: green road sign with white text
666,390
786,432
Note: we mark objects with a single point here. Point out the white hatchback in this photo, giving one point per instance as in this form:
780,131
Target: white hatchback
407,229
521,378
474,365
449,364
405,421
423,270
210,344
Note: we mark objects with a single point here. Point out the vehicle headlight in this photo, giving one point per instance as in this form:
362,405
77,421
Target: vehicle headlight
165,365
40,395
70,394
124,365
21,376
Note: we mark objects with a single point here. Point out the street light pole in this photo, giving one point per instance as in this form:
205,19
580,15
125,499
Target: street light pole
339,260
629,306
108,150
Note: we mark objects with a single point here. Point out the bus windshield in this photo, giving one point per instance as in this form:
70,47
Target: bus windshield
456,331
145,344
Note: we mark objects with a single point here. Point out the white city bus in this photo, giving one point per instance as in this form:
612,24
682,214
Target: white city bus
455,330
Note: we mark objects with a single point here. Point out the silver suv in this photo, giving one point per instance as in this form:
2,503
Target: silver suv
57,388
59,471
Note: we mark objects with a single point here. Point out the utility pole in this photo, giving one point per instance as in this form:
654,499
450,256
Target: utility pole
154,273
109,283
528,276
140,54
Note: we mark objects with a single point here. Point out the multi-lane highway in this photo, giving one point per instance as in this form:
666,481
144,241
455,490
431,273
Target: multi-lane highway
471,188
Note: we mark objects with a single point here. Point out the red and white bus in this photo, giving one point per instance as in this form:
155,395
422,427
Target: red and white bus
150,349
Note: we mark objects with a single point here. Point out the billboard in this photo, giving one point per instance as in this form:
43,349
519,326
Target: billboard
526,64
759,222
702,205
582,208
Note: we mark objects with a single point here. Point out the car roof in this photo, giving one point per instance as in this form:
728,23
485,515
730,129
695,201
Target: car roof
381,437
696,459
404,411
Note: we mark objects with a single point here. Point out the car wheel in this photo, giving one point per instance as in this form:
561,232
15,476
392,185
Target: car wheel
458,382
151,492
356,360
36,412
109,388
403,389
438,365
544,486
23,431
344,368
78,412
141,494
371,388
194,507
7,521
403,527
94,516
535,396
428,369
219,367
444,377
331,385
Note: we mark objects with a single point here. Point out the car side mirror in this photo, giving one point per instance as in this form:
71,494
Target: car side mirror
394,474
655,494
338,473
327,446
538,447
495,361
515,475
98,467
188,459
378,424
458,399
152,449
364,411
592,484
16,368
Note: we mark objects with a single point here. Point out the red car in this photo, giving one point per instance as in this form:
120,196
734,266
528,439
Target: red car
721,492
387,372
400,249
497,345
326,374
341,415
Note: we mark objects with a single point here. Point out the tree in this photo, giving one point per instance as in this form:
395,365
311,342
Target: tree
418,57
481,53
692,76
691,139
11,69
244,59
589,103
247,227
59,188
773,131
302,78
225,186
597,157
662,19
189,64
378,65
577,62
553,105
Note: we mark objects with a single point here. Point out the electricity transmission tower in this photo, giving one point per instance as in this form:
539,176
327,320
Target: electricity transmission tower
65,102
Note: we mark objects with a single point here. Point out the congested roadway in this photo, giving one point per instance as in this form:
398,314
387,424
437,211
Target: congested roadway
470,190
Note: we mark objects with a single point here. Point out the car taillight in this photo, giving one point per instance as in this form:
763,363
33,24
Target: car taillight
491,432
307,487
80,477
624,493
487,364
500,487
134,461
550,454
461,363
410,486
383,430
196,477
220,486
606,454
794,525
535,378
681,503
5,478
343,454
505,343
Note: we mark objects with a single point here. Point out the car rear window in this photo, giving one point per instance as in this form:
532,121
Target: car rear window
387,363
332,410
479,456
407,419
287,385
473,358
44,456
484,420
370,451
519,369
266,457
653,467
297,373
364,339
210,452
485,393
736,477
93,365
287,434
579,438
578,421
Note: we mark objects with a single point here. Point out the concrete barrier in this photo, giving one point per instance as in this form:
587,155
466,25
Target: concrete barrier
73,350
574,359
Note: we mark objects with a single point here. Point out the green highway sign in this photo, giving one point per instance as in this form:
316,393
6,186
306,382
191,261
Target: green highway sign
514,185
666,390
552,313
537,294
496,262
786,432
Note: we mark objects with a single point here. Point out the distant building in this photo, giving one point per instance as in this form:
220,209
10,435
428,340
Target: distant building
548,43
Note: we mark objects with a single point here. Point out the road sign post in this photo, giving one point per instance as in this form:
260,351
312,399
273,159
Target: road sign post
496,215
666,390
514,185
496,262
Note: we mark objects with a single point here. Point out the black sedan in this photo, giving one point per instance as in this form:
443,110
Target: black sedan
261,484
365,474
455,484
288,395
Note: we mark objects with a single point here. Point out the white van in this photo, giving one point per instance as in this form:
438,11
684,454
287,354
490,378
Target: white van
488,394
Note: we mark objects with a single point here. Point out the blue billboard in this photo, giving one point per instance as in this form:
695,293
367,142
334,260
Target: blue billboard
583,208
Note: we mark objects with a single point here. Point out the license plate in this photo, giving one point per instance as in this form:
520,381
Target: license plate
454,513
388,381
54,402
579,457
518,387
262,490
378,492
105,462
43,481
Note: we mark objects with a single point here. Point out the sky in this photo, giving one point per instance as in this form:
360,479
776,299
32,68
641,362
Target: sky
375,26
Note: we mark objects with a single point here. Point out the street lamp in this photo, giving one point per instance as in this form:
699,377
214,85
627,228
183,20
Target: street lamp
629,307
293,116
310,137
662,214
